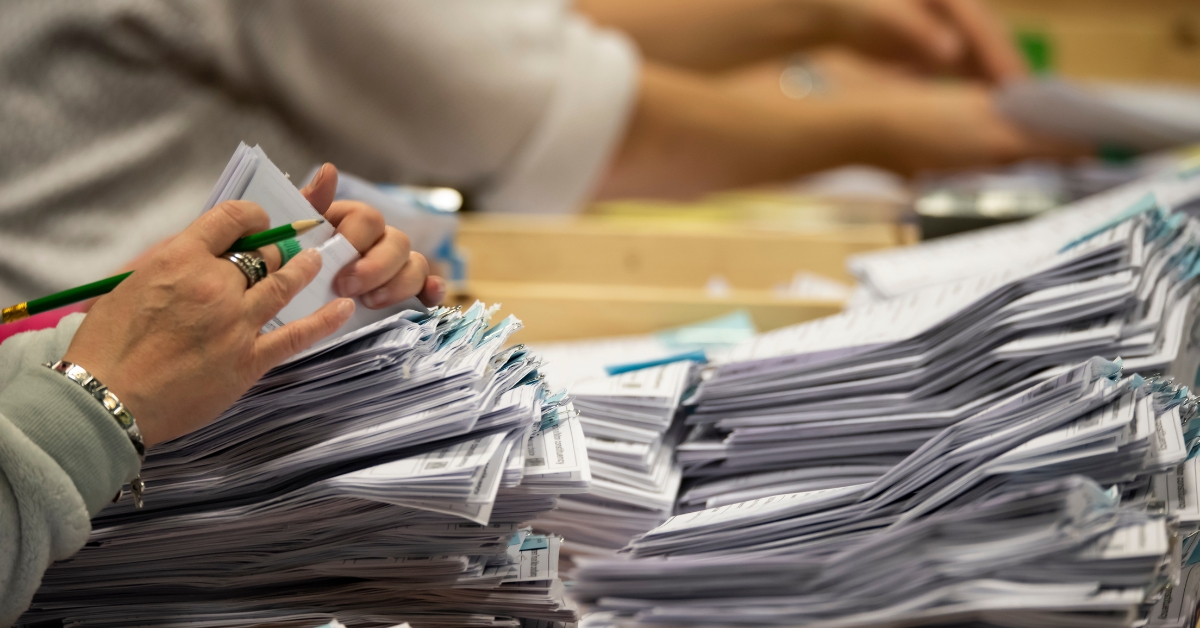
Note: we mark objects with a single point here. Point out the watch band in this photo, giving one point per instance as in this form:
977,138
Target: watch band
115,408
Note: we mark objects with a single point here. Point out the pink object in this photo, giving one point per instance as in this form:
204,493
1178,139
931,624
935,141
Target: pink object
45,320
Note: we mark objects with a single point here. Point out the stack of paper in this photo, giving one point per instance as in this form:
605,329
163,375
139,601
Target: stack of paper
837,401
1177,606
892,272
631,437
383,476
365,480
344,483
1000,519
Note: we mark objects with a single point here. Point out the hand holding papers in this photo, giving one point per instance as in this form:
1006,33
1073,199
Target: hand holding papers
381,477
251,176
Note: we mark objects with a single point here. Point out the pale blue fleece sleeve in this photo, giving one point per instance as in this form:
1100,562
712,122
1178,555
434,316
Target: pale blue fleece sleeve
62,458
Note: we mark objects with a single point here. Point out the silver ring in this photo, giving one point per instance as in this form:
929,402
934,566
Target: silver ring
800,79
251,264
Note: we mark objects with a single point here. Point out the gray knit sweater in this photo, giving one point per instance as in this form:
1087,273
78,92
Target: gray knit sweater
117,116
62,458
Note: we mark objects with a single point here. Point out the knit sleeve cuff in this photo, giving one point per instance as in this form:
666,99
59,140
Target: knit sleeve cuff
567,152
74,429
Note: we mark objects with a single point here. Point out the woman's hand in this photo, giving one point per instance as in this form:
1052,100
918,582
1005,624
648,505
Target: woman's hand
910,123
178,341
389,271
959,37
935,36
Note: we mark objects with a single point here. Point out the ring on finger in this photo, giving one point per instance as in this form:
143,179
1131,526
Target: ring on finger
251,264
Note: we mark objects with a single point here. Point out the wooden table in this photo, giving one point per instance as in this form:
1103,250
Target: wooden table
637,268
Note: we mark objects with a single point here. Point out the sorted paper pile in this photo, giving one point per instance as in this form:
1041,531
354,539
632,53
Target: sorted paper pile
630,434
382,479
1035,509
927,458
386,475
893,272
838,401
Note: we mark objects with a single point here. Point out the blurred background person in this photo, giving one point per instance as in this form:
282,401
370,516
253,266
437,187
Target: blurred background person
117,116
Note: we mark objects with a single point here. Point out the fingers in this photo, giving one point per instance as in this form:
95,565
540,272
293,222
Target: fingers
267,297
218,228
910,27
407,283
382,262
1052,147
272,257
434,292
322,189
358,222
275,347
987,40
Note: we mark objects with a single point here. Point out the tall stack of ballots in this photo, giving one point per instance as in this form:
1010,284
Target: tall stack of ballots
384,476
951,452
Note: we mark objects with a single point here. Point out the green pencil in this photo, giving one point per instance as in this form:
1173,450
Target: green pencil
271,236
22,311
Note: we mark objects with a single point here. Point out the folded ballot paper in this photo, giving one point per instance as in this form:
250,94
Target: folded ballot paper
630,417
630,434
893,272
250,176
385,476
841,399
1130,116
950,454
1034,509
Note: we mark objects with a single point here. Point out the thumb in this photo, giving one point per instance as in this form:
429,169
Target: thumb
322,189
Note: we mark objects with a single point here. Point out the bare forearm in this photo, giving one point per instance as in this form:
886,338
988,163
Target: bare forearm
713,35
688,136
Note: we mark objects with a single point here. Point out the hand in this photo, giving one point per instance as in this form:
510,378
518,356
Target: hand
955,127
955,36
911,123
692,133
389,271
178,341
940,36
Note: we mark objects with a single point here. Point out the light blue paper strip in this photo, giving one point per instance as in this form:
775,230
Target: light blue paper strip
694,356
1142,205
535,542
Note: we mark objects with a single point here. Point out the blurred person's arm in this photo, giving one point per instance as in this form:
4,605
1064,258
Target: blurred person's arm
528,107
692,133
518,103
954,36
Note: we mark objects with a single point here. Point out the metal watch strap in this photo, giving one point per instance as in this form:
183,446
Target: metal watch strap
100,392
